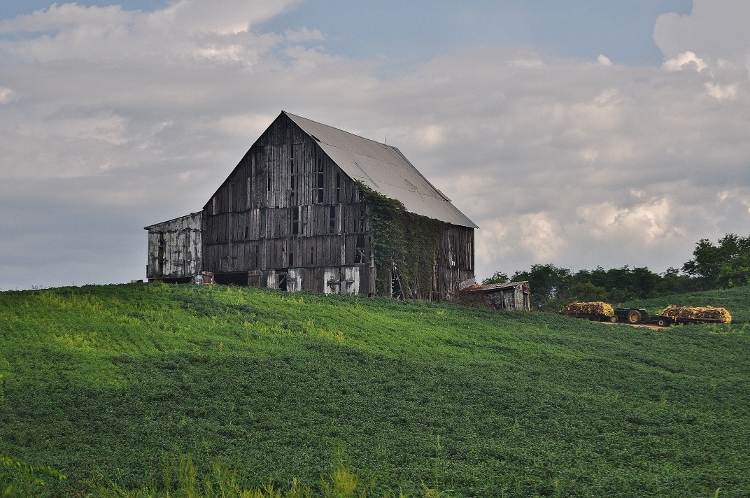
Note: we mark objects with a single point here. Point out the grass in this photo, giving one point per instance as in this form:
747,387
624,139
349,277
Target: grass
109,384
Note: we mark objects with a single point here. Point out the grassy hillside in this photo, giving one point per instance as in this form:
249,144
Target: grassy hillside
736,300
107,384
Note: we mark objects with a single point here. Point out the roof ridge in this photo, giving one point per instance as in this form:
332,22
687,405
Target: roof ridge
338,129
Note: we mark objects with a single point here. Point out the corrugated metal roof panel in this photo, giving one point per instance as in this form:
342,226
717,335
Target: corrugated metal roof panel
384,169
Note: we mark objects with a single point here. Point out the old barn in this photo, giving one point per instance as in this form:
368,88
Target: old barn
312,207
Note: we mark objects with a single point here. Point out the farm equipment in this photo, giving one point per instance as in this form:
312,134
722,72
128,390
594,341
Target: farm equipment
672,315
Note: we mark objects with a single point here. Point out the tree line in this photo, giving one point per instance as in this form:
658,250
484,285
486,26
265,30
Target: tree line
714,266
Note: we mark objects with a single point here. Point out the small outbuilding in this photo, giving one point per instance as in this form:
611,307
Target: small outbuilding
506,296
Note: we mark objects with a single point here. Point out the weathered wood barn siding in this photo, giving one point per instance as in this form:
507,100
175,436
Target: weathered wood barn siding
455,261
175,249
288,217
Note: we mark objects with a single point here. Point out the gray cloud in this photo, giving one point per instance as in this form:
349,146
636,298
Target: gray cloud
120,119
716,29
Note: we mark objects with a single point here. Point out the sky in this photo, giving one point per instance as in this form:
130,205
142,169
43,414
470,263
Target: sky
579,133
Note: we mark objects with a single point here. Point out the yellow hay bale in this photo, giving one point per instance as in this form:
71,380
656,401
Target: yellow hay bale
592,308
708,312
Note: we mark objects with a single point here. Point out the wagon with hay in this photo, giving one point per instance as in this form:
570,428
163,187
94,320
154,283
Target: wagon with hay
595,311
691,314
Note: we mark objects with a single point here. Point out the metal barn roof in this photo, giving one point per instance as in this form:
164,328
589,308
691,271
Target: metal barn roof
384,169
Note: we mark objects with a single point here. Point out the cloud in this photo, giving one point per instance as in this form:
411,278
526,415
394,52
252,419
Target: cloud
683,60
7,95
715,29
603,60
187,28
303,35
719,92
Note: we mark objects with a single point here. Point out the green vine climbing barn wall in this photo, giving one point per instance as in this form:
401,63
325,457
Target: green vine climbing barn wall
416,256
312,207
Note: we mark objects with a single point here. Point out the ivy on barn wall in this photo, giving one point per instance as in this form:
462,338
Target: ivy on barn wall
408,240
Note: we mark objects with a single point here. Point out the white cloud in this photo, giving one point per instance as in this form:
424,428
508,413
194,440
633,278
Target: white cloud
540,235
188,28
683,60
646,222
604,60
7,95
719,92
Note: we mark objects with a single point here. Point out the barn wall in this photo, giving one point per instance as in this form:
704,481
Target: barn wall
175,249
286,207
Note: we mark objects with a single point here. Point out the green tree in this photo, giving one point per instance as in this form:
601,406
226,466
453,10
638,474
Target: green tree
546,282
726,264
497,278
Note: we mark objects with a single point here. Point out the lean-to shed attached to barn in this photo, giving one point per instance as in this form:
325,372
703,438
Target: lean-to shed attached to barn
175,249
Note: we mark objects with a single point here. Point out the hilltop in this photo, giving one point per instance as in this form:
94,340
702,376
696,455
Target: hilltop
108,384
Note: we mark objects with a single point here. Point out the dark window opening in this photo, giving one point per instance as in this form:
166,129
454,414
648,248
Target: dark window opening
321,181
362,214
257,256
359,256
282,281
160,256
332,220
293,189
295,221
291,259
312,256
247,231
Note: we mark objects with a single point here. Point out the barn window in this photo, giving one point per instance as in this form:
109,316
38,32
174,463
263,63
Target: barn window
320,181
295,221
338,187
359,256
362,214
292,177
250,192
312,256
332,220
247,230
291,259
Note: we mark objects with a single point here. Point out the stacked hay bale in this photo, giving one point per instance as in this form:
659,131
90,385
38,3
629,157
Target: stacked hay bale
592,308
700,313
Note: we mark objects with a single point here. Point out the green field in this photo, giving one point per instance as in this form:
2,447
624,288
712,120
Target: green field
109,384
